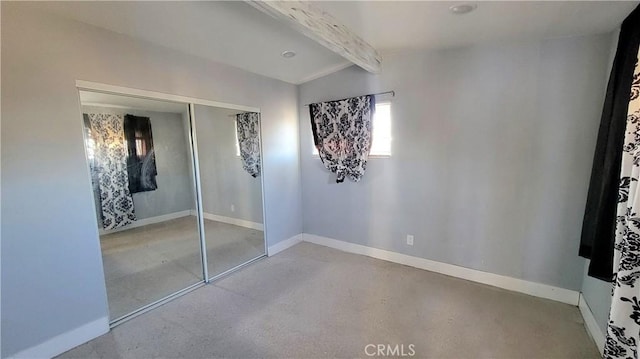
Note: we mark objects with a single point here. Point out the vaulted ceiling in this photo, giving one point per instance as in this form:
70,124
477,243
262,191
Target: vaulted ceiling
235,33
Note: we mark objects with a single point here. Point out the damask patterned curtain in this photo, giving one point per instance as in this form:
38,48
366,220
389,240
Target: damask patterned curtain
248,128
623,333
111,166
342,135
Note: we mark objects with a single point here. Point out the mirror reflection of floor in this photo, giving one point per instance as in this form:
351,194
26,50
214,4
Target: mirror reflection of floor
147,263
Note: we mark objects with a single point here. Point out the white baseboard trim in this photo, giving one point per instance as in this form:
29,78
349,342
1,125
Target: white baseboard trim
148,221
496,280
170,216
66,341
234,221
592,326
282,245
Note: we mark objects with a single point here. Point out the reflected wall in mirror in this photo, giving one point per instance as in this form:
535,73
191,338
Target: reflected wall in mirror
229,158
140,160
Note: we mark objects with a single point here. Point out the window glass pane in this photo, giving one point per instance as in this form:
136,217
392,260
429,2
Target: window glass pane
382,130
235,130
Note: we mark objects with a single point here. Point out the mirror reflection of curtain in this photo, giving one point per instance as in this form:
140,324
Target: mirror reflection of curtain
90,146
141,160
248,125
110,165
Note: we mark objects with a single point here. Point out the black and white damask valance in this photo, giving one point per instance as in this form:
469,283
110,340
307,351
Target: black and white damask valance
342,134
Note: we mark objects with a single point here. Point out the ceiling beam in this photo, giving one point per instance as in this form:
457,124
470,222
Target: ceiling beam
324,29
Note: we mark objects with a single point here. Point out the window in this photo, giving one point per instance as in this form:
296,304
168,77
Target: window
381,145
235,128
90,144
141,144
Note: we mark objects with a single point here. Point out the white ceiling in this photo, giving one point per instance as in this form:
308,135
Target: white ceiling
394,25
233,33
237,34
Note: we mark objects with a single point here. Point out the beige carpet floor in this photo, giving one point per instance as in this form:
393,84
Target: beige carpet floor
315,302
147,263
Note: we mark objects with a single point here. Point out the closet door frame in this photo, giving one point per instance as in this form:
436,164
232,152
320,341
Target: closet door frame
191,102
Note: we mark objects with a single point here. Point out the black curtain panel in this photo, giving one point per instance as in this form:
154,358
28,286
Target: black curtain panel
141,159
599,224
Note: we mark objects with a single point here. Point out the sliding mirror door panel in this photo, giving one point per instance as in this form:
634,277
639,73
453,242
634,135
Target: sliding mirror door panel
140,160
229,159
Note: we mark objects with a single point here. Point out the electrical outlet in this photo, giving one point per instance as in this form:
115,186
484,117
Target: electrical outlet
410,239
233,208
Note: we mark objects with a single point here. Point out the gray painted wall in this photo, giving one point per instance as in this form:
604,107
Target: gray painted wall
52,276
492,153
597,293
224,181
174,192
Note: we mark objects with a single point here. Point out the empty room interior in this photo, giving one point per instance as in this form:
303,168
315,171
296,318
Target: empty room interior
320,179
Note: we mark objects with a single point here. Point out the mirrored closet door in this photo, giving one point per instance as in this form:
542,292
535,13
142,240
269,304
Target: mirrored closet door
229,158
139,154
178,194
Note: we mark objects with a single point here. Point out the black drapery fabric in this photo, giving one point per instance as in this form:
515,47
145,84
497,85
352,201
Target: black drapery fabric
598,227
141,159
